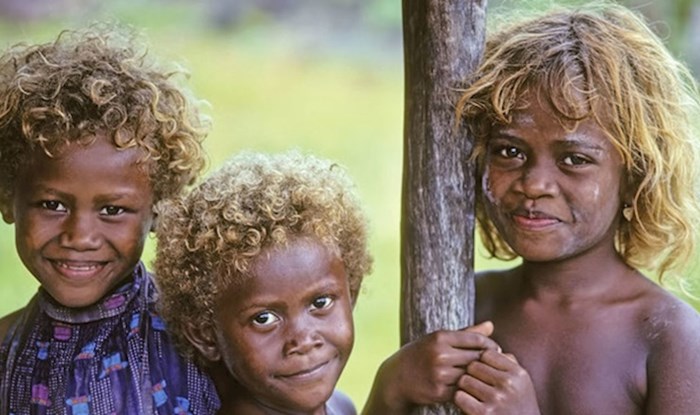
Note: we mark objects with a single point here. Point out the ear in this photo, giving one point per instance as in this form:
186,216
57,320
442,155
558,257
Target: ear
204,340
628,188
154,221
7,214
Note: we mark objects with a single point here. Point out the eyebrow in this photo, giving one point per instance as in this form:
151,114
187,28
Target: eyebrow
101,198
571,142
577,143
50,191
116,196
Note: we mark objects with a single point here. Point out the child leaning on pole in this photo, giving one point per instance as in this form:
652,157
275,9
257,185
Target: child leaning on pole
587,170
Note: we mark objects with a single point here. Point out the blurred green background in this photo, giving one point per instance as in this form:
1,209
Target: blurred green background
325,76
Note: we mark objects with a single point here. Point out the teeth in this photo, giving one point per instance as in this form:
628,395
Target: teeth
77,267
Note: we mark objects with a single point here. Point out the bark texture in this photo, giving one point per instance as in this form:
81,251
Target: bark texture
443,43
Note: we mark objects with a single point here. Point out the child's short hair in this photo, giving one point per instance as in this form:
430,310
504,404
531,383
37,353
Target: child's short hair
209,238
602,61
91,81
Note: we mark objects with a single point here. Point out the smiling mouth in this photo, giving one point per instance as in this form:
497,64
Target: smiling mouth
77,269
306,373
533,219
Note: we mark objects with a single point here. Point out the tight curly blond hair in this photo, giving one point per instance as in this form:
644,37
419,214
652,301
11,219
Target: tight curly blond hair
602,61
97,80
210,237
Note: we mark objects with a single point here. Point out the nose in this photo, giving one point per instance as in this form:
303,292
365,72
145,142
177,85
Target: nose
80,232
538,180
302,336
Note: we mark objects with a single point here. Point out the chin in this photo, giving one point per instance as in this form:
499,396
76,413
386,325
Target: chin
310,403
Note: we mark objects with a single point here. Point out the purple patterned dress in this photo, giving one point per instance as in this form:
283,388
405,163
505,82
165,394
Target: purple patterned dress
113,357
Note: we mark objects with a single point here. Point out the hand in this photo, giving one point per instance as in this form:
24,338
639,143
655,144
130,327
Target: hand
426,370
496,384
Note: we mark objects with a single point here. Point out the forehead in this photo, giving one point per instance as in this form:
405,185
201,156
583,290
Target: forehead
537,114
294,253
290,269
88,161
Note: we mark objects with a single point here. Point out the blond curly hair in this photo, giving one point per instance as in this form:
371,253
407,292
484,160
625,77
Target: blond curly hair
602,61
210,237
98,80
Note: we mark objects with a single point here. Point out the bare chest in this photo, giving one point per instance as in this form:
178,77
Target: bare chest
591,367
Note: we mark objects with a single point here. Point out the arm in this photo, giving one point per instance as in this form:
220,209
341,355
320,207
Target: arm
7,321
673,365
426,370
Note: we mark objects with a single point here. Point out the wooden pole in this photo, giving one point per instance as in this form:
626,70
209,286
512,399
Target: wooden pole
443,42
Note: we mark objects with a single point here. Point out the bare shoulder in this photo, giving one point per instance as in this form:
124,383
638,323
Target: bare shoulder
7,321
672,329
667,318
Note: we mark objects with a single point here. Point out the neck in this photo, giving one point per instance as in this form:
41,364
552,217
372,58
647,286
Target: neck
586,276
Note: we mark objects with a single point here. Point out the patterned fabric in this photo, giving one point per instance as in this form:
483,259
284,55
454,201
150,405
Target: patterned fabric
110,358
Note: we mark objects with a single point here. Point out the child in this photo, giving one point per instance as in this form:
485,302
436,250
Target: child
92,136
587,158
259,268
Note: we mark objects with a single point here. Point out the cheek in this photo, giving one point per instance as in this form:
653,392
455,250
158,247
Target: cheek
486,188
595,195
494,184
342,331
31,234
597,203
132,238
247,358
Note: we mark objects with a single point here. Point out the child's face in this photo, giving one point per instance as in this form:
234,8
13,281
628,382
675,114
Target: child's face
286,332
81,219
552,193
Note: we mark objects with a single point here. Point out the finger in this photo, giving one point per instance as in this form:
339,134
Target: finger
485,328
446,376
467,403
475,387
485,373
456,358
500,361
465,339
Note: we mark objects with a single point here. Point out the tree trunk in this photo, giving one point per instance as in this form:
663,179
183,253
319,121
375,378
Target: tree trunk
443,43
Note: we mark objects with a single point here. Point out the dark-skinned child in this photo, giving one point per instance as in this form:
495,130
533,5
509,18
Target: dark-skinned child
93,134
586,149
259,267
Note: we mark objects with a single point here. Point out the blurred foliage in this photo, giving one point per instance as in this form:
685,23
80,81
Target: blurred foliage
320,75
677,22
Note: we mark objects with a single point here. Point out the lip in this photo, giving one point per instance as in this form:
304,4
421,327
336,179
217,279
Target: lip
307,374
534,220
77,270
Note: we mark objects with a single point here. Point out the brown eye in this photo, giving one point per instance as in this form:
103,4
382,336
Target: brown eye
575,160
322,302
53,205
265,318
510,152
111,210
